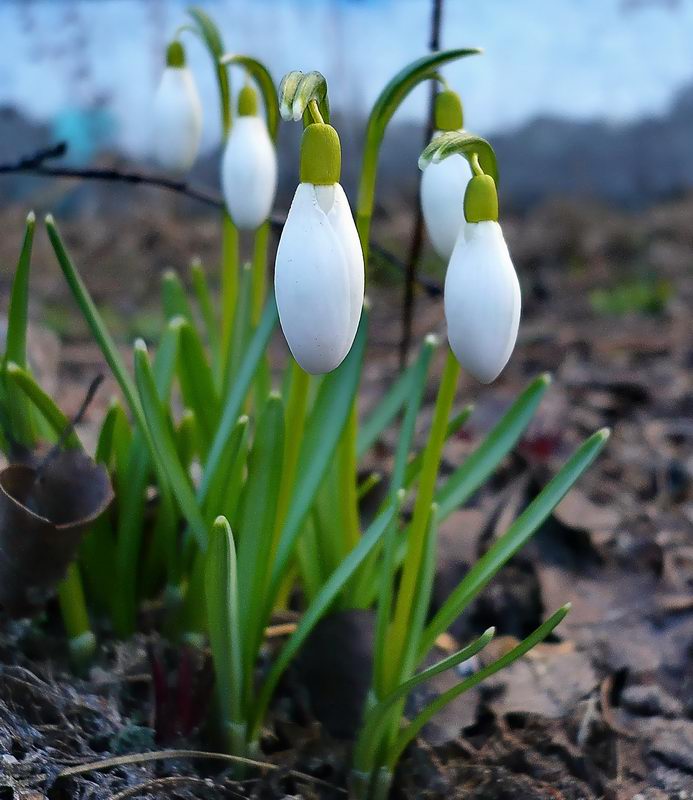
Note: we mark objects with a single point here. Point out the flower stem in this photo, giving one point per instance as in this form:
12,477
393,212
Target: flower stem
417,535
229,282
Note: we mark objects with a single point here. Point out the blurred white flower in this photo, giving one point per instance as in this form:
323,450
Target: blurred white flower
249,167
443,185
177,115
319,277
482,300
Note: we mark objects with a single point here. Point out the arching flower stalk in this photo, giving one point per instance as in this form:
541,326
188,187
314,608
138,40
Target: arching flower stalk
177,114
249,166
444,183
319,272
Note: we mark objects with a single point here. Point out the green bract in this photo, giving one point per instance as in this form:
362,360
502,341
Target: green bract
481,199
175,55
448,113
321,155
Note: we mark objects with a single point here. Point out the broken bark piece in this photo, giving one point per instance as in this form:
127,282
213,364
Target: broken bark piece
44,513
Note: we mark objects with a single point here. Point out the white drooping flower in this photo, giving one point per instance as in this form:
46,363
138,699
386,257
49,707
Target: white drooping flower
482,293
249,166
442,201
319,271
444,182
177,115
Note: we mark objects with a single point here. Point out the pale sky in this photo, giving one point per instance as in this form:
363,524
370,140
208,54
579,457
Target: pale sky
577,58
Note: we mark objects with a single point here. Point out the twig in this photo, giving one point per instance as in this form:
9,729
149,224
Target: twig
411,278
161,755
163,783
34,164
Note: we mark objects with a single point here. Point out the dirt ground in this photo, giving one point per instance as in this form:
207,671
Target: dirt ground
604,710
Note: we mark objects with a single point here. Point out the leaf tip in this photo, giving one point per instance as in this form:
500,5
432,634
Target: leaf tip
31,218
432,340
546,379
140,346
177,322
603,434
49,219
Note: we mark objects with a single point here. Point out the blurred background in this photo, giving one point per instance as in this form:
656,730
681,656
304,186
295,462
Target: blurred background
589,104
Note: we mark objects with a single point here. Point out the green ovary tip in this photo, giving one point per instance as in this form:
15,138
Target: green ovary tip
321,155
448,111
175,55
247,102
481,199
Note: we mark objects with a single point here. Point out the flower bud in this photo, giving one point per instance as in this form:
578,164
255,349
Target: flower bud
249,166
443,183
319,271
177,114
482,300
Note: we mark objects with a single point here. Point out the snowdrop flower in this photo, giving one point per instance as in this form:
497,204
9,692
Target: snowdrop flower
443,183
249,166
319,272
177,114
482,293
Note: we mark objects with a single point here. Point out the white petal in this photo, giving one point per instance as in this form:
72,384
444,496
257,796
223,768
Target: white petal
443,186
177,120
249,172
312,286
342,222
482,301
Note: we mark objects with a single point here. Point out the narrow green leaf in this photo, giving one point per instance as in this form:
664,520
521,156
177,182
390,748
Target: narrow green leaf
197,385
411,731
186,438
131,480
513,539
96,325
42,402
18,312
174,298
224,494
221,592
19,414
256,524
233,401
371,730
165,447
206,307
467,478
